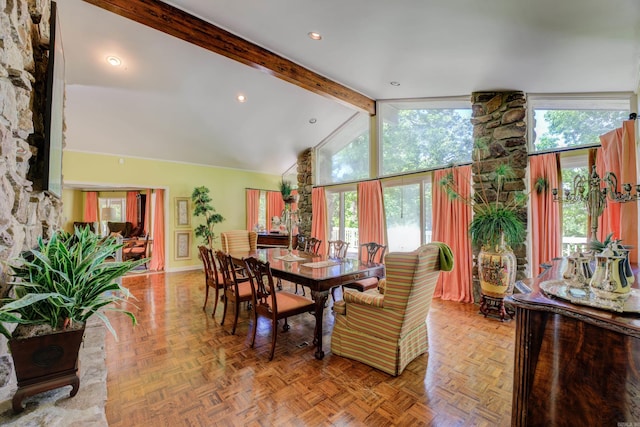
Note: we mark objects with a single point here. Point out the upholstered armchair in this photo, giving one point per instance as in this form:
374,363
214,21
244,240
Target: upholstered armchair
239,241
388,330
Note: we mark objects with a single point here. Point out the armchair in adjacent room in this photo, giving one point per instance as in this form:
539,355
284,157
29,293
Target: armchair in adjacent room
388,330
239,241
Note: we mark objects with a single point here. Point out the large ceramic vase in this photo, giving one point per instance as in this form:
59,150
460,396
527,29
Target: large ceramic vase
45,362
497,271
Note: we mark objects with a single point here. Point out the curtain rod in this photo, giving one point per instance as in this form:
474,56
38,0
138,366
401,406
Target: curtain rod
398,175
564,150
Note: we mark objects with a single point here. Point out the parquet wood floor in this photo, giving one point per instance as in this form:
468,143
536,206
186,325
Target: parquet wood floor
179,367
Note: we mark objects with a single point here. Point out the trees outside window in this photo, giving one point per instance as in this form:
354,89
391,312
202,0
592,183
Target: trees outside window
344,156
421,136
342,211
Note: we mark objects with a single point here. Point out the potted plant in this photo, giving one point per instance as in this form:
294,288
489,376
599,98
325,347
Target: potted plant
202,207
56,288
497,225
286,190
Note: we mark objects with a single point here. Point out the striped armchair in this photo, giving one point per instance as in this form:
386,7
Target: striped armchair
239,241
387,331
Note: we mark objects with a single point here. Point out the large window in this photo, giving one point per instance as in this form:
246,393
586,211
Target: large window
407,209
565,122
423,135
574,215
344,155
342,209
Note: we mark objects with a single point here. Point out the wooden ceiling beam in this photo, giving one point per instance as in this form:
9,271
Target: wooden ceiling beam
175,22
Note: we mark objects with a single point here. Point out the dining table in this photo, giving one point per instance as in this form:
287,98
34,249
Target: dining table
320,273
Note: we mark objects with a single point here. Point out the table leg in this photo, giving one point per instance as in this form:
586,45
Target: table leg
320,298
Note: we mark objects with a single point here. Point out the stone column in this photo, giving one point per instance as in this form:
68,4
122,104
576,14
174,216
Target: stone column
25,212
305,185
500,136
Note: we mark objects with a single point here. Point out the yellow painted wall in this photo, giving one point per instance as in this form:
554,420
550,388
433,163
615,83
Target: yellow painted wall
227,188
72,208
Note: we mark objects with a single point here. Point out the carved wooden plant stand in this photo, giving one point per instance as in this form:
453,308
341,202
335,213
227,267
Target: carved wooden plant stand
45,362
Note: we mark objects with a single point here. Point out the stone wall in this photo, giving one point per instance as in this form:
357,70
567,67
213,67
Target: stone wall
500,137
305,185
25,213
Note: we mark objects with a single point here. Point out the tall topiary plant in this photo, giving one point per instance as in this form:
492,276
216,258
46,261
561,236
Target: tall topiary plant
202,207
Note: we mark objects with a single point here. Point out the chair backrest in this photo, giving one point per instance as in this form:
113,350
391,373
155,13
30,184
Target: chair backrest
338,248
210,268
302,242
239,241
124,228
262,285
225,270
313,245
372,252
411,280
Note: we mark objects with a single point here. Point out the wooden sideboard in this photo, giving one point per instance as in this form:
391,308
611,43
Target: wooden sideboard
269,240
574,364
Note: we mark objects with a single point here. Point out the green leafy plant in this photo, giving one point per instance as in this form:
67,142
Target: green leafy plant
285,189
494,219
67,279
202,207
598,246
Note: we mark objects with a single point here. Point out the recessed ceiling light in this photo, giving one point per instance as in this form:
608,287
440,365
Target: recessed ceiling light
394,83
114,60
315,36
312,120
241,98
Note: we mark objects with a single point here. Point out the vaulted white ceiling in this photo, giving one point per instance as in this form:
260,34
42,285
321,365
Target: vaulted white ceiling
175,101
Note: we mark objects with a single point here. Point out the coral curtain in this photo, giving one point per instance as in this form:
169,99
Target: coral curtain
371,221
90,206
451,220
319,217
253,208
157,254
618,155
546,226
132,208
275,206
147,213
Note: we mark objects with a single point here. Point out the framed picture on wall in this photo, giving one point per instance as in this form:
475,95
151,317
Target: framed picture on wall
183,214
183,245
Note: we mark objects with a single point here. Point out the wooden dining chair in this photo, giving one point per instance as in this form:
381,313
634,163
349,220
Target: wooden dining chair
213,278
312,246
370,253
337,248
301,242
271,304
237,289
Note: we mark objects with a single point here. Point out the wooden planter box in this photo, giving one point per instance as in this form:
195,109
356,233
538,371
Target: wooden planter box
44,363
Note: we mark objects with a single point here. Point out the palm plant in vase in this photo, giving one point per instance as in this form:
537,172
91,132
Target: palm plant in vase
498,223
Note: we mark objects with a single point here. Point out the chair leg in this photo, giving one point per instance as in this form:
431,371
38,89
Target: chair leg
279,284
235,318
302,287
274,336
224,312
255,327
206,296
286,326
215,303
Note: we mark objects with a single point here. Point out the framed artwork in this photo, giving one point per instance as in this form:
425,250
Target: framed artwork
183,215
183,245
